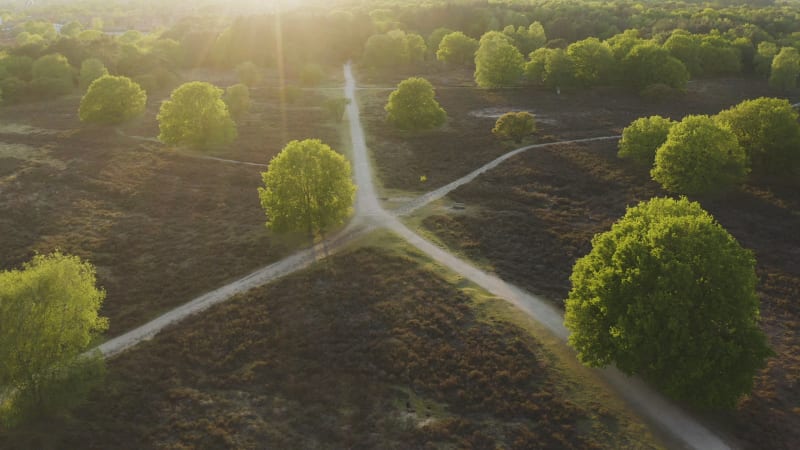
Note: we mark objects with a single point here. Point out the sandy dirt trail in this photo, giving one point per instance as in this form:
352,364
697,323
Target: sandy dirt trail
371,215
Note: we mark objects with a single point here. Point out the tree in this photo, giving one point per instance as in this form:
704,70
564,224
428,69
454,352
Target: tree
551,67
248,73
195,115
763,58
336,107
307,187
436,36
48,318
719,57
237,98
91,69
112,100
515,126
383,52
686,47
767,128
526,39
457,49
785,69
53,65
699,157
643,137
412,106
415,48
71,29
497,62
621,44
648,64
592,60
669,295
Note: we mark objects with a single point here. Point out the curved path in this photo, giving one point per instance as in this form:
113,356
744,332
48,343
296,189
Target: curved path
371,215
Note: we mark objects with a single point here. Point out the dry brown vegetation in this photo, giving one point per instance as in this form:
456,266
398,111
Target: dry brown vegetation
533,216
385,356
161,225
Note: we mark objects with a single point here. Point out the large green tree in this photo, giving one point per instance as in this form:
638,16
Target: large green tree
48,318
307,188
785,69
593,61
112,100
237,98
699,157
669,295
497,62
457,49
643,137
767,128
196,115
413,106
648,64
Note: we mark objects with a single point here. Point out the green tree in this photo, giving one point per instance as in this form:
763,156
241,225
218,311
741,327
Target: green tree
648,64
526,39
699,157
669,295
719,57
71,29
621,44
415,48
514,126
767,128
593,61
643,137
237,98
763,59
497,62
551,67
112,100
384,52
53,65
196,115
48,318
436,36
307,188
457,49
91,69
413,106
249,74
686,47
336,107
785,69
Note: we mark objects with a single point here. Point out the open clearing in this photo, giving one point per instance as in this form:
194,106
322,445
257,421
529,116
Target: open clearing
386,356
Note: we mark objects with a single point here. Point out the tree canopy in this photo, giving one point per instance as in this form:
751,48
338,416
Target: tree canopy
593,62
767,128
112,100
413,106
669,295
785,69
91,69
457,49
307,188
699,157
196,115
48,317
497,62
648,64
643,137
514,126
237,98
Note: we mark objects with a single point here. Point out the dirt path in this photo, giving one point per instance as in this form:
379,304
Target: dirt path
424,199
370,215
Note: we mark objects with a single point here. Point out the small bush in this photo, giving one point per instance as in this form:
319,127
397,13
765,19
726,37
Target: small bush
514,126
